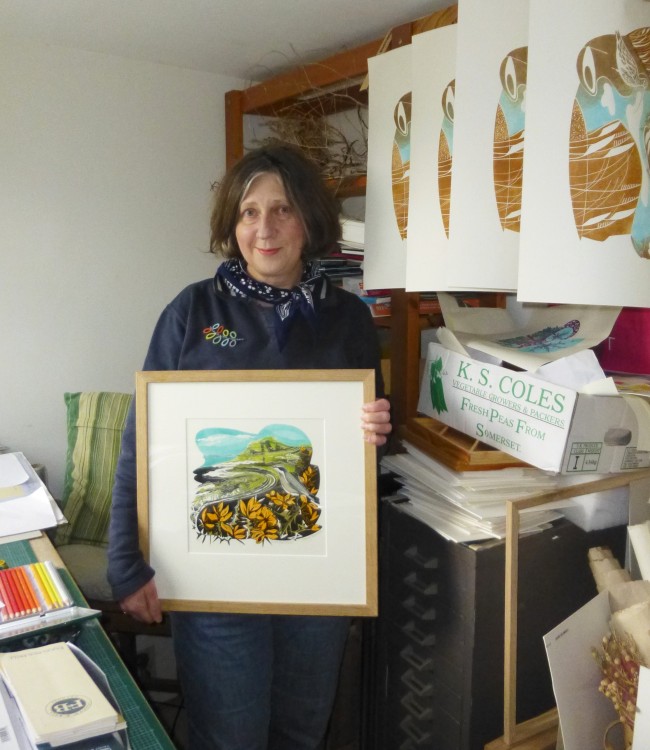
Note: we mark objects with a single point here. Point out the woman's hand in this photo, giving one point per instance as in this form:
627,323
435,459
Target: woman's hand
143,605
375,421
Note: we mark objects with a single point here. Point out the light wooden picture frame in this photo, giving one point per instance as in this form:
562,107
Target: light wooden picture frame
257,491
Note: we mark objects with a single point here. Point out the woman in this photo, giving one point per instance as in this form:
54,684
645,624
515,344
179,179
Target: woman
252,682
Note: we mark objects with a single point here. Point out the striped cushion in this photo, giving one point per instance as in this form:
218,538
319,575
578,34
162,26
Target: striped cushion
95,424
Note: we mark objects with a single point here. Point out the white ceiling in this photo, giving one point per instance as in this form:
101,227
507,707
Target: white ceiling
249,39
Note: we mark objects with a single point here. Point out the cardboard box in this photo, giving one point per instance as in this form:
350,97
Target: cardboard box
546,425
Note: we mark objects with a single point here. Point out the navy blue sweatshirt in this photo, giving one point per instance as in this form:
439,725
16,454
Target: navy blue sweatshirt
204,328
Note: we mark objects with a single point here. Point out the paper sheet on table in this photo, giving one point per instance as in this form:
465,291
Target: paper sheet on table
27,506
584,712
12,473
29,513
549,333
641,739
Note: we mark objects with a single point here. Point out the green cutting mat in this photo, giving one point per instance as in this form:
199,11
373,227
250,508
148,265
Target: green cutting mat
145,730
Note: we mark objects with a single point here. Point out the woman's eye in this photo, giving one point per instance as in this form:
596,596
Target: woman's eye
248,213
284,210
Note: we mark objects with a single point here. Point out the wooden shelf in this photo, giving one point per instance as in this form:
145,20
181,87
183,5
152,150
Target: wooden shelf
331,85
348,187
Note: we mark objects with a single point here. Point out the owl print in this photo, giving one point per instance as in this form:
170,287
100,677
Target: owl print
401,160
445,153
609,145
508,149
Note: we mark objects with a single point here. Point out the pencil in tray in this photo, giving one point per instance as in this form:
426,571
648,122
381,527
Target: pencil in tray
32,589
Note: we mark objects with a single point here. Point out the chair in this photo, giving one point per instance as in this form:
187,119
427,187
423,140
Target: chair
95,422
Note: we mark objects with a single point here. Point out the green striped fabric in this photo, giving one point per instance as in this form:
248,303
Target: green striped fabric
95,422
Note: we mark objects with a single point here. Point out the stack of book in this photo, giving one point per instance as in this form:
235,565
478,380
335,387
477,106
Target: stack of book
49,699
347,260
378,300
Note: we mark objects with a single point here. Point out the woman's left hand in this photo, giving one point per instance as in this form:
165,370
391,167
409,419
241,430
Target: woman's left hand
375,421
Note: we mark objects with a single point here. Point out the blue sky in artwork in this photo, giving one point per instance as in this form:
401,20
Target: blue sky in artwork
220,444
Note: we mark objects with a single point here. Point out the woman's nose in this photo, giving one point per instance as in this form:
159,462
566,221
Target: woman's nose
266,225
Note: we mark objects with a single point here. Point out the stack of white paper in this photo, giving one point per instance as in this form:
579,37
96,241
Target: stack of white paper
470,506
25,503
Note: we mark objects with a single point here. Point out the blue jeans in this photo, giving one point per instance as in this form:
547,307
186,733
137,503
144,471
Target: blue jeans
258,682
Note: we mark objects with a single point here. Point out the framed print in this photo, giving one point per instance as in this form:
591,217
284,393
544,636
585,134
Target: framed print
257,491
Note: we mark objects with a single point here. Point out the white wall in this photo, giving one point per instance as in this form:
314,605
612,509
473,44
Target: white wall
105,173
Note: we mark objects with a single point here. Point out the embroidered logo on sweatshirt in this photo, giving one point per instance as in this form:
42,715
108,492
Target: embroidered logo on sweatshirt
219,335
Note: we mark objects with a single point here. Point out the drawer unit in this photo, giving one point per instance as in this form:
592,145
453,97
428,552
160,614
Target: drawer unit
438,641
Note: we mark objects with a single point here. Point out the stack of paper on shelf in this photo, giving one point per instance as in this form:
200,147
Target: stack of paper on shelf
471,505
57,700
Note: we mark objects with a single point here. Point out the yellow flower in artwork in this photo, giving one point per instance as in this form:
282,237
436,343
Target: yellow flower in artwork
310,512
265,526
236,532
250,509
309,478
212,516
282,501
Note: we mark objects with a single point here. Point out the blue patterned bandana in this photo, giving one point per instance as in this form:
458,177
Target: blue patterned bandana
232,275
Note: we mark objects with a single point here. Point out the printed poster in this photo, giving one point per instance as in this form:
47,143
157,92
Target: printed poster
432,144
585,235
488,143
389,157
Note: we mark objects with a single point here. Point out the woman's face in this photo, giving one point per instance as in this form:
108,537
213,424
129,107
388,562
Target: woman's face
270,233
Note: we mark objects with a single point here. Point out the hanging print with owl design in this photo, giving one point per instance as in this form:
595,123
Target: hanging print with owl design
401,162
609,146
508,153
388,169
446,153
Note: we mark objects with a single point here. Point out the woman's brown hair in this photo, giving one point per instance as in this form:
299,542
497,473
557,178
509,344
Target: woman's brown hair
304,186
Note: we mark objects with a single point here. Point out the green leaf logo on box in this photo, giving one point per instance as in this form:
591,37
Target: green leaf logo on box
435,382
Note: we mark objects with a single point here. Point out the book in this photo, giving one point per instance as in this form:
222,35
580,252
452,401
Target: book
58,700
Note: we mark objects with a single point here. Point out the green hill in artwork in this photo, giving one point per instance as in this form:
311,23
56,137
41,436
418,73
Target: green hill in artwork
270,451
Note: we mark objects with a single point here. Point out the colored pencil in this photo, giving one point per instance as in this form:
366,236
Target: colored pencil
28,590
10,580
51,588
9,611
14,573
42,588
9,599
64,595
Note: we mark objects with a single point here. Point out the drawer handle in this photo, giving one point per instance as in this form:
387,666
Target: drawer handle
417,636
416,735
413,554
422,613
410,679
421,713
413,582
412,658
